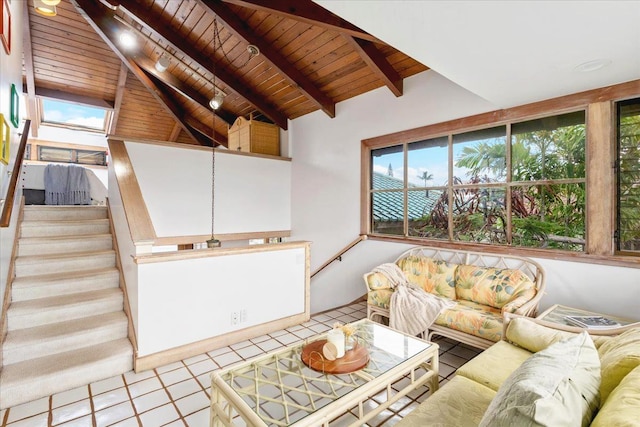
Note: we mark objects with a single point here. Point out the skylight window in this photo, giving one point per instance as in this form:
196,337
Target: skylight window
72,115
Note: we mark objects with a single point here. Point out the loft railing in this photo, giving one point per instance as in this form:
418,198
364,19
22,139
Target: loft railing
338,256
5,216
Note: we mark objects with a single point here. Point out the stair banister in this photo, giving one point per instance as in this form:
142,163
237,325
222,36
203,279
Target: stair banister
5,216
338,256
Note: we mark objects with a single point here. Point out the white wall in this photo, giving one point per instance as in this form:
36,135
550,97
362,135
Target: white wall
326,197
10,73
326,153
59,134
252,193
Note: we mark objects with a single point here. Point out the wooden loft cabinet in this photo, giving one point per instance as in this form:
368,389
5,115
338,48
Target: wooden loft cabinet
252,136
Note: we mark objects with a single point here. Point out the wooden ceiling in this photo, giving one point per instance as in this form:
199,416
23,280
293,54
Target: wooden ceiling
309,60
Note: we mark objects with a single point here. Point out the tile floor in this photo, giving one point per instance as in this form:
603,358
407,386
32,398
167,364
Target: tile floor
178,394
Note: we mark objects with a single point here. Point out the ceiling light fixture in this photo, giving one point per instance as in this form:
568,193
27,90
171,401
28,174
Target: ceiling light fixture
127,39
162,64
217,100
44,9
215,103
51,2
590,66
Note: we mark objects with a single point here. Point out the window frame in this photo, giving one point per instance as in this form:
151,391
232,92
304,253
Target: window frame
600,110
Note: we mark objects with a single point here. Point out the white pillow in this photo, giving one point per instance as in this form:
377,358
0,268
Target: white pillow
558,386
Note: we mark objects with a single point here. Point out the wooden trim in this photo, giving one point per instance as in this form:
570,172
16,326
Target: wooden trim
140,225
365,194
600,203
181,240
175,132
613,260
41,142
27,56
529,111
340,253
4,323
209,253
7,207
122,82
195,147
123,284
143,363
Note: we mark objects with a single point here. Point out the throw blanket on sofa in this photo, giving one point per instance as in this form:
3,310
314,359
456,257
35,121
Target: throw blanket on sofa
411,309
66,185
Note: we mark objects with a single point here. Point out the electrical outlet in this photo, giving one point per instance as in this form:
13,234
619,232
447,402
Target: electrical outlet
243,315
235,318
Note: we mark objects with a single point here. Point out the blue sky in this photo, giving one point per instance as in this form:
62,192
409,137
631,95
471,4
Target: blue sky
73,114
431,159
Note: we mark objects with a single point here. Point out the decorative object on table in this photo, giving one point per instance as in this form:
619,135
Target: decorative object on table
5,26
353,360
592,322
350,337
336,337
5,132
15,106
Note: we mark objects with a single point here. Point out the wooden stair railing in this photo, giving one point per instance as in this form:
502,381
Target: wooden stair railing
338,256
5,216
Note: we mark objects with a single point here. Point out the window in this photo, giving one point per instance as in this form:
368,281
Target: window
628,211
520,184
49,151
77,116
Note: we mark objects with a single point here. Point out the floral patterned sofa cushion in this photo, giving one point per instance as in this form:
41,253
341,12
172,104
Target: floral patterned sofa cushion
436,277
494,287
476,319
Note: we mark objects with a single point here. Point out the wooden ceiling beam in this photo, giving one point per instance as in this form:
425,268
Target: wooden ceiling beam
73,98
122,82
175,133
101,19
241,29
161,27
28,66
378,64
193,124
308,12
179,86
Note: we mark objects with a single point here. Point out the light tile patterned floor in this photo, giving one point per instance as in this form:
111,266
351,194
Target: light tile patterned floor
178,394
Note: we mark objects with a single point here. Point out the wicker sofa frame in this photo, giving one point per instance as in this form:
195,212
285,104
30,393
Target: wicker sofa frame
527,266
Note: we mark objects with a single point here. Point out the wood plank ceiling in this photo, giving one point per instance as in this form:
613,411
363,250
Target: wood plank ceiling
309,60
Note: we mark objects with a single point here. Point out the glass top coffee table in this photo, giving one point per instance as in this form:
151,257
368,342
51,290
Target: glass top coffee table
279,389
557,313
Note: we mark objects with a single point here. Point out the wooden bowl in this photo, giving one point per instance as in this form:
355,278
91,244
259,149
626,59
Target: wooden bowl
353,360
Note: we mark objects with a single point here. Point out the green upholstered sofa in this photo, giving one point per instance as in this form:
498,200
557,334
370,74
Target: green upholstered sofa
484,287
484,391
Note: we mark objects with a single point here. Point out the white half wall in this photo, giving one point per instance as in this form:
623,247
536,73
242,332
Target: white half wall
326,197
33,178
185,301
252,194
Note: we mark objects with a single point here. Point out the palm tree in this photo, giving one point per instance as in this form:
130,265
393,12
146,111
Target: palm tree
426,176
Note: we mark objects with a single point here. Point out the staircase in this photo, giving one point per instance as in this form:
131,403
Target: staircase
66,324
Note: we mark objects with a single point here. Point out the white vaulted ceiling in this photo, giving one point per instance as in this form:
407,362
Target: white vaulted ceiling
509,52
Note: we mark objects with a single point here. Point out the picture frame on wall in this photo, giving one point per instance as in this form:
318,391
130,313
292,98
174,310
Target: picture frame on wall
15,106
5,133
5,26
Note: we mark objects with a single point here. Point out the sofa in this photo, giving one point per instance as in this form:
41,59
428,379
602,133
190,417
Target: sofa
484,287
541,376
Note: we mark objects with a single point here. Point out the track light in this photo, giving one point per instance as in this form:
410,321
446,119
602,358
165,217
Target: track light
217,100
43,8
162,64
